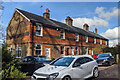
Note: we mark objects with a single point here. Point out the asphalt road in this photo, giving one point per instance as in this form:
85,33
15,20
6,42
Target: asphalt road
108,73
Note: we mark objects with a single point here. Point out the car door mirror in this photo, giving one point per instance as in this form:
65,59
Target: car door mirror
111,57
76,65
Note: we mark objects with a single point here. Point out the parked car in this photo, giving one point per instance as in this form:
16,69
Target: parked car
96,54
31,63
105,59
67,68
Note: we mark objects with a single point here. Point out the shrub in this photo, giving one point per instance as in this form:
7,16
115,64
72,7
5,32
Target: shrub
10,65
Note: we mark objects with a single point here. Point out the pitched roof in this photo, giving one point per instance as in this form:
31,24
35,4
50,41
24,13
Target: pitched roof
56,24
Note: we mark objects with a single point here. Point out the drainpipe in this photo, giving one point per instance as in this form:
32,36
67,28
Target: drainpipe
32,37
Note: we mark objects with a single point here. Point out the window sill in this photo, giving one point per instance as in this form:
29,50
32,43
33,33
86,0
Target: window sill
39,35
18,57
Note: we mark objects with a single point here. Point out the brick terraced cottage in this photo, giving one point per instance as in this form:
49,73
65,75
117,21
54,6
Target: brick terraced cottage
29,34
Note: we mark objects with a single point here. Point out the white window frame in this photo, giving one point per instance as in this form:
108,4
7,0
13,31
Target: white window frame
76,37
94,40
86,39
38,49
72,51
100,41
62,34
76,50
39,27
106,43
17,52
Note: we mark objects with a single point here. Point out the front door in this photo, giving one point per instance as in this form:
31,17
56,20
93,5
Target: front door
67,51
47,52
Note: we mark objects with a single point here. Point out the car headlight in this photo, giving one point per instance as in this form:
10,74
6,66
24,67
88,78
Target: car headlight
105,60
53,76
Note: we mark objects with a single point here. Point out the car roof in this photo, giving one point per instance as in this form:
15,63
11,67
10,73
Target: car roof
77,56
106,53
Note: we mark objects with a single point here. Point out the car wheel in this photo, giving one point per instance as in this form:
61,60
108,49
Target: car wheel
95,73
66,78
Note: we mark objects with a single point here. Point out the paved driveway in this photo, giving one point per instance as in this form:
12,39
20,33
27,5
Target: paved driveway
108,73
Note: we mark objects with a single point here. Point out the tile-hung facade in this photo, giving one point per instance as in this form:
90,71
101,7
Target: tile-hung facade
29,34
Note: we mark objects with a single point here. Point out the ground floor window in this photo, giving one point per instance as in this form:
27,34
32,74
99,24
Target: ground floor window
47,52
86,50
18,52
10,49
38,49
72,51
62,50
76,50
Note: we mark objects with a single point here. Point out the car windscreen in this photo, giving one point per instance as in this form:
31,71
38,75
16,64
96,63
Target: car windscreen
42,59
103,55
96,54
65,61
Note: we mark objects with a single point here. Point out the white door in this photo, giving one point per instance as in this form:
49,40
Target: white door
47,52
79,71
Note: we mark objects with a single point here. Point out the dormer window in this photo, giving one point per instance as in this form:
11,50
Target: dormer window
94,40
86,39
76,37
39,30
100,41
62,34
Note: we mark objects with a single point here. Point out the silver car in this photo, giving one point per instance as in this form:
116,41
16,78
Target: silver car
68,68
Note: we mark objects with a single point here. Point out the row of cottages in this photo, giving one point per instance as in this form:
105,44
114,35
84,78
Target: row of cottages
29,34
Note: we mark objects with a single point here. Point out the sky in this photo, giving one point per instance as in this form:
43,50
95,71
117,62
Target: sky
100,15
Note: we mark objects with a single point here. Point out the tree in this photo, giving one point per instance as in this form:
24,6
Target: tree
10,65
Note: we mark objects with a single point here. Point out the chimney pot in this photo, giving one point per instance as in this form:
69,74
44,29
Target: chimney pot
86,27
46,14
96,30
69,21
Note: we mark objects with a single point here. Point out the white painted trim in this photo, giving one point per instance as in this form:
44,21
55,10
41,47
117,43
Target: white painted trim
77,37
49,52
39,49
100,41
41,31
95,41
22,15
105,42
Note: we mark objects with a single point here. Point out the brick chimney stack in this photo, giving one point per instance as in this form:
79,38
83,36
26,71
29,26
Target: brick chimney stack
86,27
96,30
69,21
46,14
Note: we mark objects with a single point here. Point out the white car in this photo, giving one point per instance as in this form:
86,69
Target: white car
68,68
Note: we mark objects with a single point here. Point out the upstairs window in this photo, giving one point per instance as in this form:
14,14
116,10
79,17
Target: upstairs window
62,34
100,41
18,52
38,49
86,39
76,37
86,50
105,42
94,40
39,30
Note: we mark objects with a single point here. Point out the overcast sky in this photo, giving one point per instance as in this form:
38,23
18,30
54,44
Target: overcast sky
102,15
